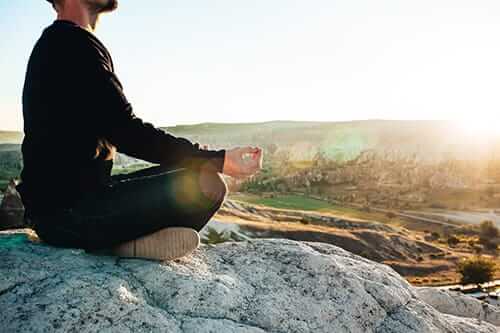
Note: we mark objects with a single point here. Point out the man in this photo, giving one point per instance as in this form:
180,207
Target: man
76,117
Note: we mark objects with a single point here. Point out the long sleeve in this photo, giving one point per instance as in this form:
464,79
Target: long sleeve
117,123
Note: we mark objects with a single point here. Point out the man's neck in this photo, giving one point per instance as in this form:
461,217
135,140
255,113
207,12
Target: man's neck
77,13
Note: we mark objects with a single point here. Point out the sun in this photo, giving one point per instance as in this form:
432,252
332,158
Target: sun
479,128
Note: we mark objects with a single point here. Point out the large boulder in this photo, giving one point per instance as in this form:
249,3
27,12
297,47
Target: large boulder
262,285
458,304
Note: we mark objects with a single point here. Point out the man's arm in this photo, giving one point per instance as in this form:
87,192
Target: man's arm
117,122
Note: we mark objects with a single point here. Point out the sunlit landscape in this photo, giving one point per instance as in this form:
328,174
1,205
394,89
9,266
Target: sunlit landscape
376,207
426,184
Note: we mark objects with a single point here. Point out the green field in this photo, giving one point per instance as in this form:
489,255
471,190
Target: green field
299,202
288,202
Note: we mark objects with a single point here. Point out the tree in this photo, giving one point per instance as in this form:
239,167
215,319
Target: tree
476,270
488,230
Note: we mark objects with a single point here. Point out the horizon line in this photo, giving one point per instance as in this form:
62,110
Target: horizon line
282,120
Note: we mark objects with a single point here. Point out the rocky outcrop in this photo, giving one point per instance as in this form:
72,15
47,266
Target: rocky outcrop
11,208
263,285
458,304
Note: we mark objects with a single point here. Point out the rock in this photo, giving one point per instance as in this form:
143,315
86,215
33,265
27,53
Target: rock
264,285
11,208
458,304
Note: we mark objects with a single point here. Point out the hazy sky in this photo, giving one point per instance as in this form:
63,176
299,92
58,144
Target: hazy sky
190,61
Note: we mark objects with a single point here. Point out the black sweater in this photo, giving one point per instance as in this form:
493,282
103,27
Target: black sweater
76,117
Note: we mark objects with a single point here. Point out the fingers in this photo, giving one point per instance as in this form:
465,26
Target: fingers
248,150
254,152
239,166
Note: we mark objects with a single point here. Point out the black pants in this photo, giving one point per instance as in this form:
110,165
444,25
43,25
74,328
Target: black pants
134,205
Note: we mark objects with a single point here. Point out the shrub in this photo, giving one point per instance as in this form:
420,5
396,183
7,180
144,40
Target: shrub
488,230
213,236
488,244
468,230
391,215
476,270
453,240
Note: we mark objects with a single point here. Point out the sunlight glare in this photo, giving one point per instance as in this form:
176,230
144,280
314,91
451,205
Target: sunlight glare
479,128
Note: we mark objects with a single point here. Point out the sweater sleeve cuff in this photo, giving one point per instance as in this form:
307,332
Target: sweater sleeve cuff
206,159
218,160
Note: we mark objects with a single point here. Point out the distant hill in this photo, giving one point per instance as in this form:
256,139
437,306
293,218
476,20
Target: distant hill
11,137
427,139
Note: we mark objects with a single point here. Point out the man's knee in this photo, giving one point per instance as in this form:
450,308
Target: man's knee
213,186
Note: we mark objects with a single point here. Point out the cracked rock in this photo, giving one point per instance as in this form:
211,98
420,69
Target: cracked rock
267,285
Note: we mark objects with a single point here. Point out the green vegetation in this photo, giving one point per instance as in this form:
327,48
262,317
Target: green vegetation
298,202
214,237
486,234
488,230
301,202
476,270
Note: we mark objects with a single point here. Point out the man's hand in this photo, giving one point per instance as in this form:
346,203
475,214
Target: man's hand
236,166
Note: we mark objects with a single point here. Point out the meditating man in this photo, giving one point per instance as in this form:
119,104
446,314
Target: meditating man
76,117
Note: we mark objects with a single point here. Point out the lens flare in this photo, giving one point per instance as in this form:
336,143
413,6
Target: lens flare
479,128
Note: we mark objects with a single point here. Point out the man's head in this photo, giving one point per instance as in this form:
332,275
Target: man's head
94,6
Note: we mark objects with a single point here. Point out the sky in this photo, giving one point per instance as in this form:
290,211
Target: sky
193,61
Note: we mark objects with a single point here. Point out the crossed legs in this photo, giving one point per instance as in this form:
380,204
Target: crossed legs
135,205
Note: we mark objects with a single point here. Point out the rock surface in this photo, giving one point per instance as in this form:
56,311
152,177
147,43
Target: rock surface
264,285
458,304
